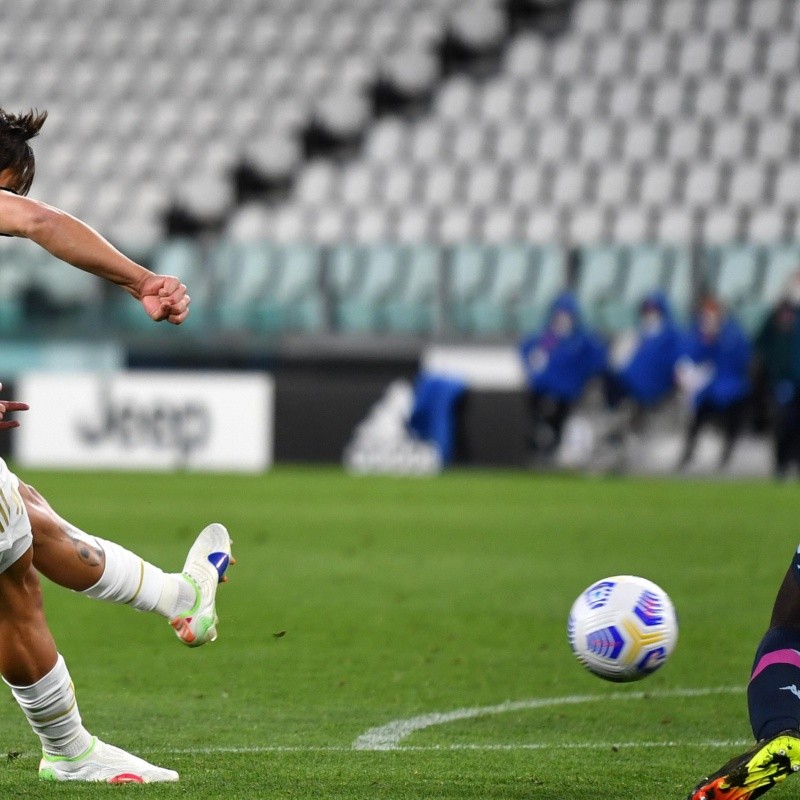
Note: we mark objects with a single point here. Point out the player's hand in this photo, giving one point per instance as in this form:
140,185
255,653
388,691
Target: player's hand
164,297
10,405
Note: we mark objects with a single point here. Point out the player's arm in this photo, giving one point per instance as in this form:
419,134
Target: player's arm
66,237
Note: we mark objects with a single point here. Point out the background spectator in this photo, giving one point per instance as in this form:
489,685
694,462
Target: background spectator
559,361
778,360
642,361
641,370
713,373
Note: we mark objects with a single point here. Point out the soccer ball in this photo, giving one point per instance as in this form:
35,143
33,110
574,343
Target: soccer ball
622,628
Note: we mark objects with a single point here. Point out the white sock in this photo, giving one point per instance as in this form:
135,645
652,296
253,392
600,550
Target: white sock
132,580
52,711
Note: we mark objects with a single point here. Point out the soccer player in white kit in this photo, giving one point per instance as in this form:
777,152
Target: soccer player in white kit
29,660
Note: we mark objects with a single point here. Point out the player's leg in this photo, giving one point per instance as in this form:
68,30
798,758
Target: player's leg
37,675
104,570
773,693
773,699
701,416
732,420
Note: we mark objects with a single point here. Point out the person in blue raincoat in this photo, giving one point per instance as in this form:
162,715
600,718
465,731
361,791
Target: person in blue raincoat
713,373
642,363
559,361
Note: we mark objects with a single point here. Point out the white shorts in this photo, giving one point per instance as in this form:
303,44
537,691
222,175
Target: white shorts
15,527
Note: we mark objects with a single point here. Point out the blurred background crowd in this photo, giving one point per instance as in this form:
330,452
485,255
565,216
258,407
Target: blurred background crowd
721,374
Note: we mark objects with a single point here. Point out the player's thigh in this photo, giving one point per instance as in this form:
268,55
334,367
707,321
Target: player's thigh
15,527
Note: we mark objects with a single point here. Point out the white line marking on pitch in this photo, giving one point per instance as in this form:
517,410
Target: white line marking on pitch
489,747
434,748
389,736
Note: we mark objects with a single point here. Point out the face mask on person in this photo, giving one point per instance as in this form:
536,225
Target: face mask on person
651,322
710,324
562,324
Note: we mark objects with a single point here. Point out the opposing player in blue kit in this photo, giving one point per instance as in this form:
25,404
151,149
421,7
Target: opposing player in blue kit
773,700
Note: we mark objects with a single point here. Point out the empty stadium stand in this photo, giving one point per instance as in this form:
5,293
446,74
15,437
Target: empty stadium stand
641,143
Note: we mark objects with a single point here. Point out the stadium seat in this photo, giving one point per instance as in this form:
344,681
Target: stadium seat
66,286
372,225
702,187
361,279
781,263
512,144
678,16
720,225
549,279
757,97
782,52
15,280
631,225
245,274
686,140
598,141
455,224
640,141
736,273
766,16
633,18
295,302
774,139
613,185
501,225
587,224
712,99
728,142
414,308
513,277
543,225
646,272
599,283
657,186
525,56
469,278
766,226
679,282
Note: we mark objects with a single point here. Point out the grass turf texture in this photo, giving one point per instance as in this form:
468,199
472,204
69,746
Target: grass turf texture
405,597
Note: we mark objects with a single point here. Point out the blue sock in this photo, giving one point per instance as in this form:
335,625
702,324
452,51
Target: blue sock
773,695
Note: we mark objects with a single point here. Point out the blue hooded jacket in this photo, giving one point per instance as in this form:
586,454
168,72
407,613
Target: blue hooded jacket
729,354
561,366
649,375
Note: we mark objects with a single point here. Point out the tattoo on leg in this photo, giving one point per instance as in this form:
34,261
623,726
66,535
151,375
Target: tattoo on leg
88,551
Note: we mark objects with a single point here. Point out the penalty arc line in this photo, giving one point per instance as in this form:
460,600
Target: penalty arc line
390,735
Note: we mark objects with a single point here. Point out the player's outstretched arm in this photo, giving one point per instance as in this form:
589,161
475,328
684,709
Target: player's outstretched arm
164,297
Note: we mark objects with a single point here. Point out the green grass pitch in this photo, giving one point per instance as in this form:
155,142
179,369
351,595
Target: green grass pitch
362,601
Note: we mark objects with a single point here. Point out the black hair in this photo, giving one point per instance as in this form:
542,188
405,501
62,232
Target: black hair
15,152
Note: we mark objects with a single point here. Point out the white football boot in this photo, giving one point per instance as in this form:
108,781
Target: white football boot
204,569
104,763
